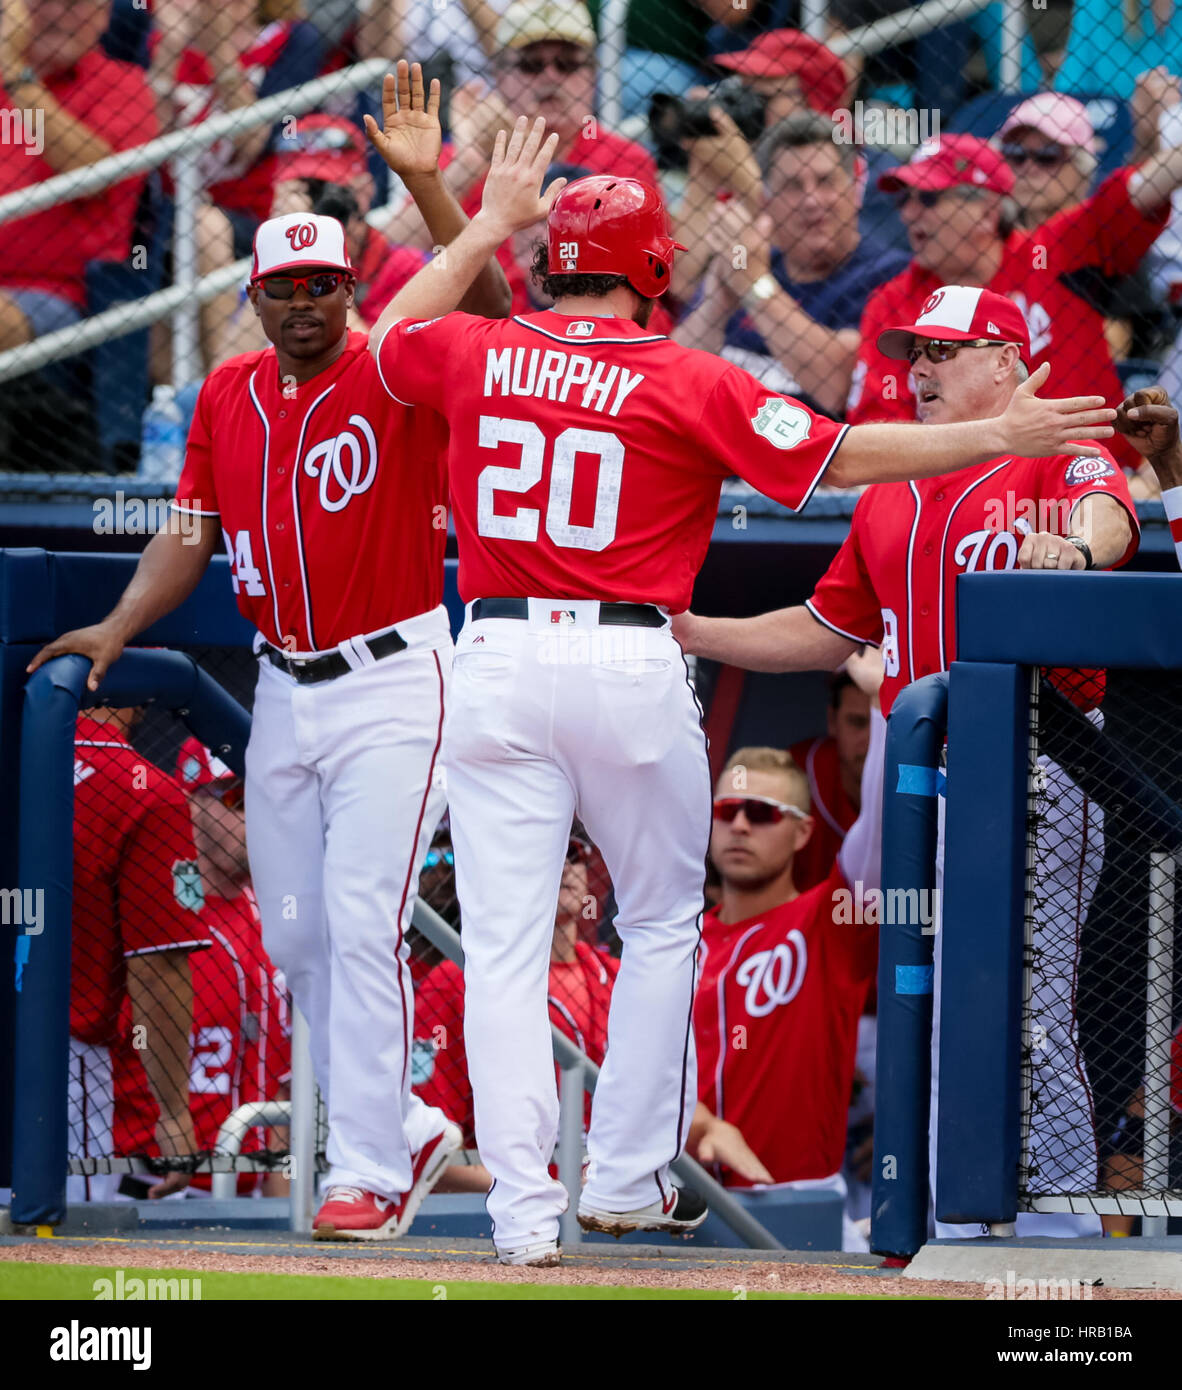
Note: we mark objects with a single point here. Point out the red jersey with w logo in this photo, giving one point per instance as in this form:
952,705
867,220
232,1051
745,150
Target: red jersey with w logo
776,1023
332,496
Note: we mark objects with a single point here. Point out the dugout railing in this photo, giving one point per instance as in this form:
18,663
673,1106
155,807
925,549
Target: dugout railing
1060,719
42,593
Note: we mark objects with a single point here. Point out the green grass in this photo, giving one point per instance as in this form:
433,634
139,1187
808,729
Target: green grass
76,1282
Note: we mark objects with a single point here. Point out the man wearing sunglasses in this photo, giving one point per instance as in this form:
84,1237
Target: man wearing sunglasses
790,969
956,199
893,583
329,494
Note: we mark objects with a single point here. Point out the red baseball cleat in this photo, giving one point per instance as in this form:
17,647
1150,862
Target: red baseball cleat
353,1213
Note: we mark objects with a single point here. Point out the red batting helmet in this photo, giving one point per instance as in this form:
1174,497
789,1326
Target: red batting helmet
604,225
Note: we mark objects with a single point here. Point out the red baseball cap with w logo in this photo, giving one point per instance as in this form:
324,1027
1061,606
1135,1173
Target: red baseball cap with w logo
299,240
960,314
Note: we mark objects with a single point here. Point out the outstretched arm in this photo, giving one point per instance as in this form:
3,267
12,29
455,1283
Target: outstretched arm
789,639
512,200
1030,427
409,141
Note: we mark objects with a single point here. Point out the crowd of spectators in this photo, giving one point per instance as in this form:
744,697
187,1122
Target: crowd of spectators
805,234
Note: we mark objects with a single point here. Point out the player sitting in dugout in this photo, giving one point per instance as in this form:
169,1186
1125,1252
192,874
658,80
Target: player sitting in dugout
784,975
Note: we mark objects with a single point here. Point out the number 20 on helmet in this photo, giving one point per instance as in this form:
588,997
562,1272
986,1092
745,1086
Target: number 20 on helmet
603,225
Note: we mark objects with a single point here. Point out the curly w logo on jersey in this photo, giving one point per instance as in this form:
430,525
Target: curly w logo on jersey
774,977
346,464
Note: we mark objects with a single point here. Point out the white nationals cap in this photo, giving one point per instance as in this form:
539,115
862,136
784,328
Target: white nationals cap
960,313
296,240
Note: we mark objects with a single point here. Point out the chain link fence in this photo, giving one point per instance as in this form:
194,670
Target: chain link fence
1102,1064
779,130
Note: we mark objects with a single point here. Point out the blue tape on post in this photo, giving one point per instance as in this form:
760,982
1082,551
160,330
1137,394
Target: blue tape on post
917,780
22,959
914,979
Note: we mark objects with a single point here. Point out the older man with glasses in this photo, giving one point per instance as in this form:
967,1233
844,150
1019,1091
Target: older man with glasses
956,200
892,585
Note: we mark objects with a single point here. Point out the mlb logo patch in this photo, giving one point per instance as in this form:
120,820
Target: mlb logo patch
1087,470
581,328
784,426
562,615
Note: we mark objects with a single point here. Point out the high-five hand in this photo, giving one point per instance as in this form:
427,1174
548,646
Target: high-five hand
1033,427
513,197
1149,421
411,136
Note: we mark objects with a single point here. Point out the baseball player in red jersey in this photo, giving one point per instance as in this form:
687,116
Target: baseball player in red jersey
833,766
784,974
586,460
330,495
892,584
240,1044
134,925
951,201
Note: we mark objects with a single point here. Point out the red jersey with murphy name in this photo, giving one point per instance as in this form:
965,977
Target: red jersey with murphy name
240,1045
135,884
893,582
331,495
587,455
776,1028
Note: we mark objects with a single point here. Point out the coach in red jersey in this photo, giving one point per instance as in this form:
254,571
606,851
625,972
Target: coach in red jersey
952,199
585,461
330,495
784,974
892,584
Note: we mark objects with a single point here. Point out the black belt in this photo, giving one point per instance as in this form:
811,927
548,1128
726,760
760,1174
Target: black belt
613,614
309,670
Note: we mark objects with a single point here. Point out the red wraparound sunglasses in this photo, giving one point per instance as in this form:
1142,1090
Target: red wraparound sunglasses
325,282
759,810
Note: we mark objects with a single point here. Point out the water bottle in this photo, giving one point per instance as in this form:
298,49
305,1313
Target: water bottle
162,446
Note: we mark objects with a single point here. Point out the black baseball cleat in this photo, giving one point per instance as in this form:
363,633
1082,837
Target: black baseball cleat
681,1212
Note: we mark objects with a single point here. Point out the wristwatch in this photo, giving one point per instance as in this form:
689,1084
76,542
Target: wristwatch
1084,549
762,290
26,77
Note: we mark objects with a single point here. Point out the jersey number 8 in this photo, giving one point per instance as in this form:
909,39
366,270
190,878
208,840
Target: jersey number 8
524,522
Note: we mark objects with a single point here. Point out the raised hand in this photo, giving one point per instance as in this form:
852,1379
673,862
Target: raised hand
1033,427
411,137
513,196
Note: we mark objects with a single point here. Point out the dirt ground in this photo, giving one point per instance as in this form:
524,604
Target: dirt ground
729,1270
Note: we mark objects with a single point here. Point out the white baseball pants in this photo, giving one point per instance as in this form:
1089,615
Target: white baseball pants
549,717
343,791
90,1101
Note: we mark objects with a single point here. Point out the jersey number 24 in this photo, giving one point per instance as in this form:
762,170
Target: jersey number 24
524,523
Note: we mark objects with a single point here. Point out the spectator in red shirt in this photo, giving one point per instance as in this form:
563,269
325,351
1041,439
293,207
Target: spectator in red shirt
833,767
78,106
136,891
956,203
